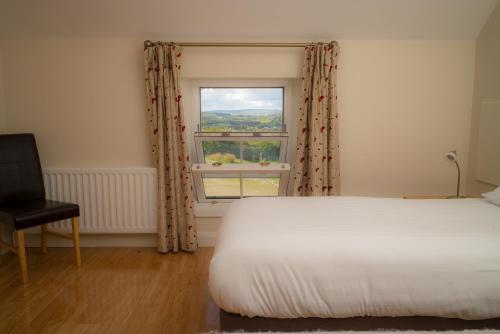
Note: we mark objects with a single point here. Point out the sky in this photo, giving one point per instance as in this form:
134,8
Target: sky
241,98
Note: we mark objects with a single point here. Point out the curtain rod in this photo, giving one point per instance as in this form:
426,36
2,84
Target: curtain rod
260,45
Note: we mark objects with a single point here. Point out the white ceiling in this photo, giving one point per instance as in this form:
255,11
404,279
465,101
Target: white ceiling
219,20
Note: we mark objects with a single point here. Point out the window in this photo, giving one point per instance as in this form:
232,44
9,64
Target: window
242,139
227,182
231,148
257,109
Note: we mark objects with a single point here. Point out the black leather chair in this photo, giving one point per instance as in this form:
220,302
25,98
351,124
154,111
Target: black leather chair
22,198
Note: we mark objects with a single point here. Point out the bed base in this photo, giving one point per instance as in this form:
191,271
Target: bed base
234,322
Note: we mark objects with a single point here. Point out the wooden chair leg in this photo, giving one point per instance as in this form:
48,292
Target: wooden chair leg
21,254
43,235
76,240
1,249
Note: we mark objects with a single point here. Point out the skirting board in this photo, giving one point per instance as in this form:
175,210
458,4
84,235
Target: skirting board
205,239
207,236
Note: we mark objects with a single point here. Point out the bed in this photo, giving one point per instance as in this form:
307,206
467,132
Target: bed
351,257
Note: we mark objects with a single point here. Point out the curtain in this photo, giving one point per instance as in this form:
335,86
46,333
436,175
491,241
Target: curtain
176,226
316,167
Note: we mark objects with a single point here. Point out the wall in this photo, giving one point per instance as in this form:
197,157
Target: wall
486,88
83,99
403,104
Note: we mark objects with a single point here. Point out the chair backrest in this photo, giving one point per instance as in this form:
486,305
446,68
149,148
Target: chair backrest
20,172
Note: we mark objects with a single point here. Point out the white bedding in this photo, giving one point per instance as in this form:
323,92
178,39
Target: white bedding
337,257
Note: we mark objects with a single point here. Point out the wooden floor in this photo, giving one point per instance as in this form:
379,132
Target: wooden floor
117,290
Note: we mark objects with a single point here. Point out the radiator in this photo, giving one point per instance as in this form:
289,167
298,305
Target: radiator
114,200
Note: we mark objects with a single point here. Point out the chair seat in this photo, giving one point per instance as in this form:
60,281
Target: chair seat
33,213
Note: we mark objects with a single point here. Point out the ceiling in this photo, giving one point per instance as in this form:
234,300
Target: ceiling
225,20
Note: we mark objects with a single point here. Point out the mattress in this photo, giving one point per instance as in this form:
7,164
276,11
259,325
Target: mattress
336,257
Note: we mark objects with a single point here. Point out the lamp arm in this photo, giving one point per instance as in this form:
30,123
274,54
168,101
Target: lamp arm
458,179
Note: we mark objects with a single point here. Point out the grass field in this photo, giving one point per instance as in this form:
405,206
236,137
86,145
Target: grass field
230,187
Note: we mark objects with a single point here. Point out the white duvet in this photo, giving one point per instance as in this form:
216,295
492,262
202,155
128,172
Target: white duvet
340,257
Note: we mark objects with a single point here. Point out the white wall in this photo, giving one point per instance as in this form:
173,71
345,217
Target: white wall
402,104
83,99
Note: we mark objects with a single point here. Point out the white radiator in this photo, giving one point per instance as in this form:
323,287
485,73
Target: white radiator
114,200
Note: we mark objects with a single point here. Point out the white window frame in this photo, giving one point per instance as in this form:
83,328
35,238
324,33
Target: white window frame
241,170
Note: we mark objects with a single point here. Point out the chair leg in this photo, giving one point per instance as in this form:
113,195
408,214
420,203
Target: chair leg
76,240
21,254
1,249
43,235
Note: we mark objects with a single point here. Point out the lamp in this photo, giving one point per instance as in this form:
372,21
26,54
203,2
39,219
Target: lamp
452,156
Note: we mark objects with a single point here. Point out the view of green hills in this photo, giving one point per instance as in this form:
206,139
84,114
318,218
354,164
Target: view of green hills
242,120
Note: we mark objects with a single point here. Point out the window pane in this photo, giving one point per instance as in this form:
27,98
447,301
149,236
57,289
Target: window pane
241,109
261,186
261,150
227,152
221,187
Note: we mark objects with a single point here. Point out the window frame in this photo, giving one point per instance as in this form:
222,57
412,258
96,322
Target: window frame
246,170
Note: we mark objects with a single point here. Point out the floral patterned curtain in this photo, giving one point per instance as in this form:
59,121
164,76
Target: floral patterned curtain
316,167
176,225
